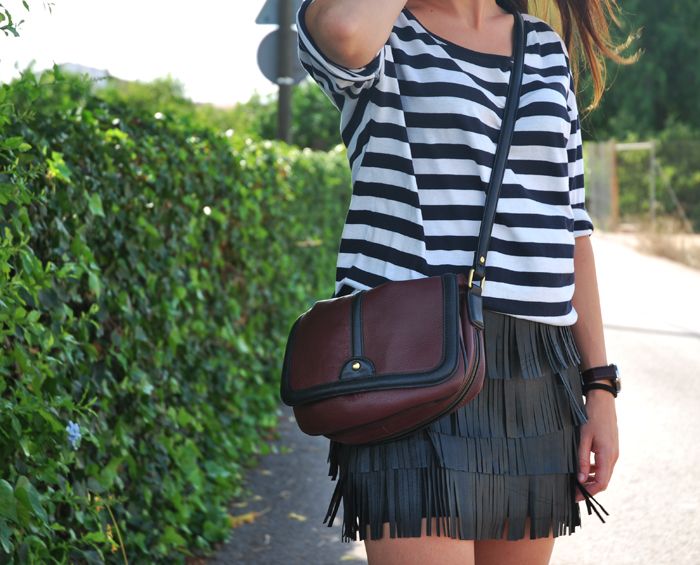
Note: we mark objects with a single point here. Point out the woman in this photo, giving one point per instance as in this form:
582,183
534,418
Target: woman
421,86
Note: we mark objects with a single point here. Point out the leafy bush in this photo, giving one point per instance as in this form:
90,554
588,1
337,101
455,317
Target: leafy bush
315,123
150,271
678,168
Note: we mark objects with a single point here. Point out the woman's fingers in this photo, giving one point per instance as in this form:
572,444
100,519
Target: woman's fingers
584,454
603,472
600,471
598,436
605,459
584,461
595,475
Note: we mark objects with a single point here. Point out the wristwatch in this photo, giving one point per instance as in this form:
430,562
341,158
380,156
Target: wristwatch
606,372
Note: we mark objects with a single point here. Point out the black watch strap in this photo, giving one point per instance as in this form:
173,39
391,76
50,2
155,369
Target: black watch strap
611,389
596,373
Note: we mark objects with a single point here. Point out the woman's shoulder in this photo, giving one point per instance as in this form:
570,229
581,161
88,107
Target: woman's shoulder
542,33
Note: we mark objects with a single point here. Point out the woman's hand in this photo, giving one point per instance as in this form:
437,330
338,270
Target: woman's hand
598,436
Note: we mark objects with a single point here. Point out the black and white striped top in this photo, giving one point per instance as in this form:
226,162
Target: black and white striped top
420,123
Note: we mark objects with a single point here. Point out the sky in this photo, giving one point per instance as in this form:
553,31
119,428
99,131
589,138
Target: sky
208,45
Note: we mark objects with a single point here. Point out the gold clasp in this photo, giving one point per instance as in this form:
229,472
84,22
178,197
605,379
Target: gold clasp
471,279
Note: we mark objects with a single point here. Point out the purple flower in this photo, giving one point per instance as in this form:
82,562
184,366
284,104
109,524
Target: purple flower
73,430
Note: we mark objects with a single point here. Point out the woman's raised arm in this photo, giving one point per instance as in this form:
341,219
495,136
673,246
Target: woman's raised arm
351,32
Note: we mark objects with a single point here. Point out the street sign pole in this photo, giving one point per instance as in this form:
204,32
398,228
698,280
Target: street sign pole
284,72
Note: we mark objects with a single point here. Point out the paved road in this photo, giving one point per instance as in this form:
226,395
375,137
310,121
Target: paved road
651,309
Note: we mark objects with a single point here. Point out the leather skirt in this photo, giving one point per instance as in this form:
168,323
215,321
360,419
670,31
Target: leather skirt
509,454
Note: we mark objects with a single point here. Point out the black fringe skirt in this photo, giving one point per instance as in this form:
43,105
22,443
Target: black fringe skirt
511,453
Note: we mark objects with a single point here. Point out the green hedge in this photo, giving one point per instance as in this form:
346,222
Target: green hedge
314,118
151,269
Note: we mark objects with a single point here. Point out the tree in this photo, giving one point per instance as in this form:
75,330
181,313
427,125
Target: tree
7,25
315,121
661,88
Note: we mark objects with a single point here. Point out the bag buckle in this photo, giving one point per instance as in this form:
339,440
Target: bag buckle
471,279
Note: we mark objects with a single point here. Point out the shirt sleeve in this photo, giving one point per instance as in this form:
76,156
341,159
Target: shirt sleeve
583,225
337,81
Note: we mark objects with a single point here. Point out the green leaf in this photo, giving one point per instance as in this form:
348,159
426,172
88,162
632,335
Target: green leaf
7,192
51,419
170,536
12,142
47,340
58,168
183,417
94,283
148,227
242,344
5,534
94,485
8,504
95,204
180,292
140,335
27,446
33,316
29,499
109,472
35,542
97,537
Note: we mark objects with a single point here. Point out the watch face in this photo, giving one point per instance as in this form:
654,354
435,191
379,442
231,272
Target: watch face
618,380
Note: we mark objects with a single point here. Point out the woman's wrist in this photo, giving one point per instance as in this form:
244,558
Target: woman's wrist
605,378
601,393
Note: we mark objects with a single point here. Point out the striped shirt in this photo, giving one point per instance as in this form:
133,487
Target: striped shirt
420,123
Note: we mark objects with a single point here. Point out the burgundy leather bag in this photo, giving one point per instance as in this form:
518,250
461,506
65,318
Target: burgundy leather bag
378,364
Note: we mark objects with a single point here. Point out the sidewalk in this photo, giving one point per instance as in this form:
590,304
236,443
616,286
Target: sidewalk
294,490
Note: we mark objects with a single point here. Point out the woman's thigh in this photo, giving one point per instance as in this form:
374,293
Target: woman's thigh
424,550
524,551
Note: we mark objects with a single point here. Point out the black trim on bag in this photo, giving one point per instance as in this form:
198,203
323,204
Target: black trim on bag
356,324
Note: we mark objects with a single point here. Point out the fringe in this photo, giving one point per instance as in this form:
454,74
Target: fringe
521,347
475,511
498,455
510,453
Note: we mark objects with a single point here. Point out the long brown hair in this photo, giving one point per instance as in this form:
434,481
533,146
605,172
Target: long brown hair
585,29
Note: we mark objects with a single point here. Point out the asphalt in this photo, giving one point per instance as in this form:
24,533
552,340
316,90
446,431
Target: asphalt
291,490
651,311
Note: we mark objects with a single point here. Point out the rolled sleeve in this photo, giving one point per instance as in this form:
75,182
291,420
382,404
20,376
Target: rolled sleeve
337,81
583,224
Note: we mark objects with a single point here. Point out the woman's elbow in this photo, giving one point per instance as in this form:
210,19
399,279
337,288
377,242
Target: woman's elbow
342,39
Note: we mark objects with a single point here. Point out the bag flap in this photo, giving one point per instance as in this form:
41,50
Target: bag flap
398,334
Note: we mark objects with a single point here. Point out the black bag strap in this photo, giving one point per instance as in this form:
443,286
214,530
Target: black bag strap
477,274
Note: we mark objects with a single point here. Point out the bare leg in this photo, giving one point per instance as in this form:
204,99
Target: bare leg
524,551
423,550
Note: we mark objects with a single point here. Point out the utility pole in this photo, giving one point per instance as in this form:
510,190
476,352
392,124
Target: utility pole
277,58
285,80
